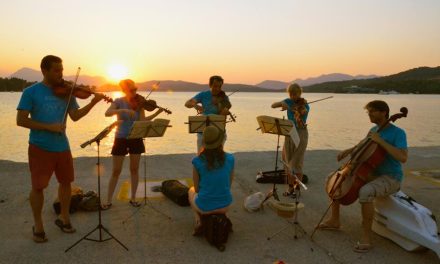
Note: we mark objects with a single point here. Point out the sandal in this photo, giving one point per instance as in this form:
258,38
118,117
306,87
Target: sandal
324,226
66,228
362,247
39,237
106,206
135,203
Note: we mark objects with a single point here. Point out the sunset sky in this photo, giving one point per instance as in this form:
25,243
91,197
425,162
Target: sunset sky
245,41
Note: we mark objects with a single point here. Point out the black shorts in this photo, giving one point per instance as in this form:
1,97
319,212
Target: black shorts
123,146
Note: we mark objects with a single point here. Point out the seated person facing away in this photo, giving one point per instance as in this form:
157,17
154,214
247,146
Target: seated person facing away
213,171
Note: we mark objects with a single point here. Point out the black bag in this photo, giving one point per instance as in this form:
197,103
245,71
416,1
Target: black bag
176,191
90,202
76,197
278,177
216,228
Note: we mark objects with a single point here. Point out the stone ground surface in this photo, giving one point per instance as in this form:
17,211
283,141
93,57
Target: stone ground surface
153,238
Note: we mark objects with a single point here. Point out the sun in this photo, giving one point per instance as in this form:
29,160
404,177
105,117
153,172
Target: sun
117,72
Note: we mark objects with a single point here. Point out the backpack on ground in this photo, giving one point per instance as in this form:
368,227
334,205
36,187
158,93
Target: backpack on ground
176,192
76,197
216,228
90,202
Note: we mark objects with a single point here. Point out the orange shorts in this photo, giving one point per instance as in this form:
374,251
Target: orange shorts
43,164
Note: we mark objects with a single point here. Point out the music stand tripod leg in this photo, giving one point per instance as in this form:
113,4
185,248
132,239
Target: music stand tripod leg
273,192
295,223
145,203
99,227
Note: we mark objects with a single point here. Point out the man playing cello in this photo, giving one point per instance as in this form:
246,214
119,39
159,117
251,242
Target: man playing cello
387,176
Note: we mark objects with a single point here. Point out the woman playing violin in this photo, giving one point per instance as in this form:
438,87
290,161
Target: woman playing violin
297,111
384,180
127,110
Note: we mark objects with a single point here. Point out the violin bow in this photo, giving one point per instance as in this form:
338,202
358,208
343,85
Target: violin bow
232,93
230,114
70,95
317,100
320,100
153,87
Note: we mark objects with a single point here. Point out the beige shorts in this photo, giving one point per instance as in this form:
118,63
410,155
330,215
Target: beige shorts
381,186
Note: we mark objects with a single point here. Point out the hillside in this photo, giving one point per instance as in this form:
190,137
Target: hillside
32,75
332,77
182,86
423,80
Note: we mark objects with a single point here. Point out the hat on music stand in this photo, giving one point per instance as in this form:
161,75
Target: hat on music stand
212,137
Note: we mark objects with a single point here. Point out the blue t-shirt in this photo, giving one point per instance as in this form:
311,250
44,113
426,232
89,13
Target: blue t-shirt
124,128
205,98
45,107
291,115
214,184
396,137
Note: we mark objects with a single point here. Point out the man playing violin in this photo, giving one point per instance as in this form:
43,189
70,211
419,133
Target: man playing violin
49,149
214,101
384,180
297,111
128,109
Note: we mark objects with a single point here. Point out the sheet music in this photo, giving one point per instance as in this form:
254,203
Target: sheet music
143,129
198,123
268,125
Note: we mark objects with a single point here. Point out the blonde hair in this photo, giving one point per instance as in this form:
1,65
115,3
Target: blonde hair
294,88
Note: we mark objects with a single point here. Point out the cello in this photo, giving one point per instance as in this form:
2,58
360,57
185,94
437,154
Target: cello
344,184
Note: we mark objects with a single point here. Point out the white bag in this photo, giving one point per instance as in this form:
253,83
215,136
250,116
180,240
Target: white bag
253,202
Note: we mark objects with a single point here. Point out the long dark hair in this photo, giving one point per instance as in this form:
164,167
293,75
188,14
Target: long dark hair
214,157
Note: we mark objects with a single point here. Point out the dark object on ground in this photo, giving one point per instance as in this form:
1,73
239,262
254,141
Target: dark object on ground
278,177
216,228
176,191
77,196
90,202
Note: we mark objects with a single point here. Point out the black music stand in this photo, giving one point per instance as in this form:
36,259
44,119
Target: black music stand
296,225
277,126
196,124
147,129
99,227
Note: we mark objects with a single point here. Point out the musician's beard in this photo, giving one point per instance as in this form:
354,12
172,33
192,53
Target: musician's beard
56,82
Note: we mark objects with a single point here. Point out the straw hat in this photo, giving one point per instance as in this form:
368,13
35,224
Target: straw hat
212,137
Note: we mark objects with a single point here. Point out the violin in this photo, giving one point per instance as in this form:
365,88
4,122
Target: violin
299,110
221,102
138,102
344,184
82,92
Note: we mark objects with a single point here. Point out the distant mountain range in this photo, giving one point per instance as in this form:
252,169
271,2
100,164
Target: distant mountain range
101,83
417,80
32,75
182,86
333,77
